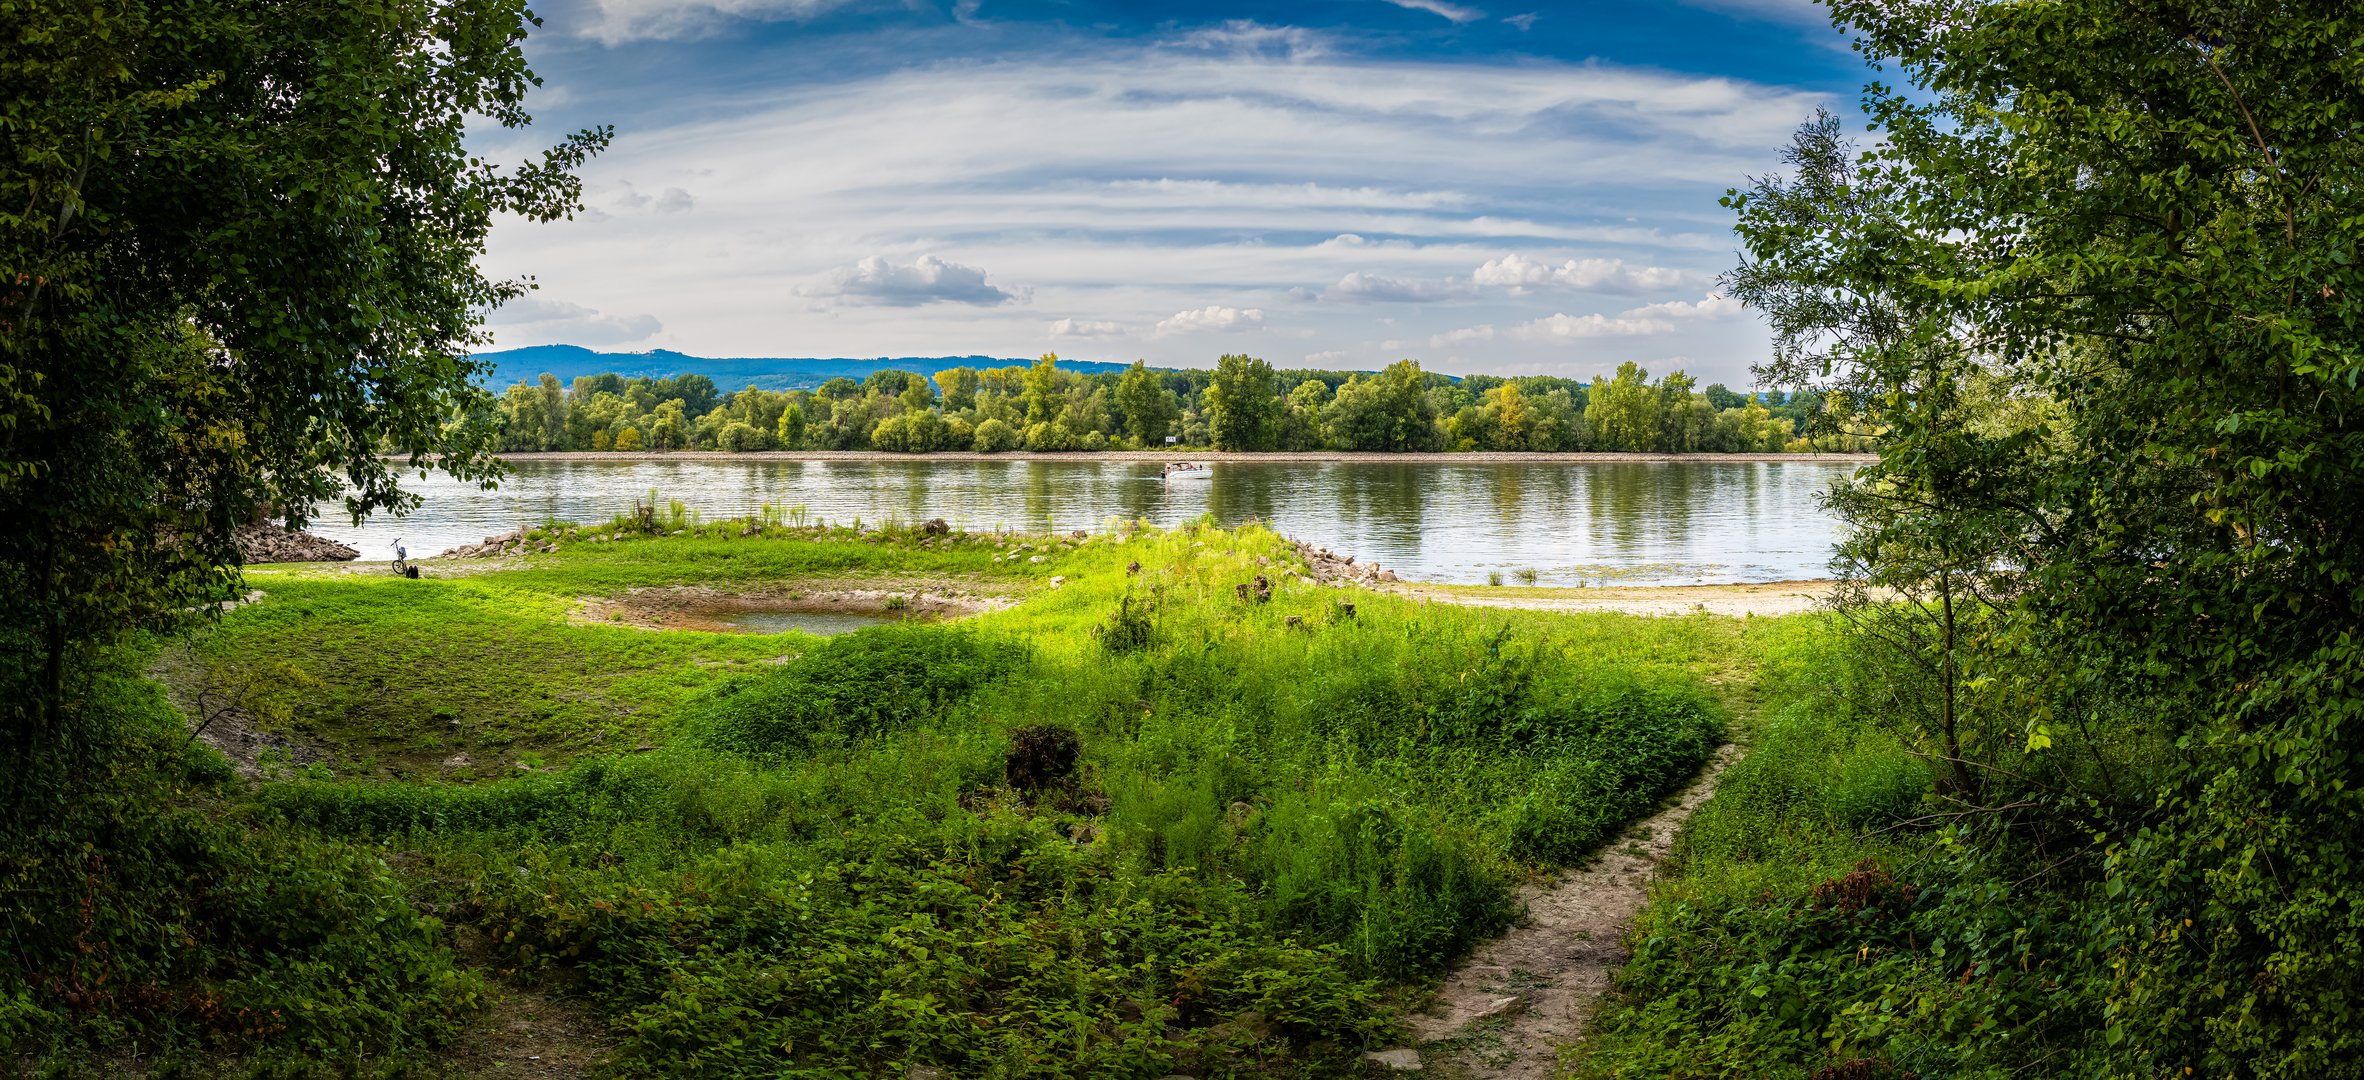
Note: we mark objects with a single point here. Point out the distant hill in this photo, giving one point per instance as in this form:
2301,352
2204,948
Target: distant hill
730,373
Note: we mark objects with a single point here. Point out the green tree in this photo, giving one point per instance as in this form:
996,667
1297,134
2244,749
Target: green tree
1149,408
1301,418
1389,411
993,437
1624,412
1242,405
2123,588
790,430
959,387
237,265
1510,424
1042,383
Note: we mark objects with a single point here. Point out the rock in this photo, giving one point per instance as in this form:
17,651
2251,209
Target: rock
269,544
1493,1007
1400,1059
1057,580
1033,558
1132,568
1388,575
456,761
928,1072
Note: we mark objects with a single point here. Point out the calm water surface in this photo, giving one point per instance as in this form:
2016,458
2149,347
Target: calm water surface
1592,522
822,623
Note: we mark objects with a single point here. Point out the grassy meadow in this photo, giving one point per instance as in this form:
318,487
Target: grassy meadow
1146,817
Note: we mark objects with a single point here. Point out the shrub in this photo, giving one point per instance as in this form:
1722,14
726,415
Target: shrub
858,684
994,437
738,436
1041,756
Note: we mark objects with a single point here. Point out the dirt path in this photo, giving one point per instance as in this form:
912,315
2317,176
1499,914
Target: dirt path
1505,1013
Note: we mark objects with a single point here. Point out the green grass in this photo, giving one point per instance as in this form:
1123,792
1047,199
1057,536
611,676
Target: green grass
1803,930
393,677
1284,819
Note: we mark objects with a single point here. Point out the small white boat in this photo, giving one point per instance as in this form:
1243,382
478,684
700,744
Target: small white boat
1190,470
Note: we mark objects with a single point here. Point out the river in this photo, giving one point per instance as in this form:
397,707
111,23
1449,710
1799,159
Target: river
1694,521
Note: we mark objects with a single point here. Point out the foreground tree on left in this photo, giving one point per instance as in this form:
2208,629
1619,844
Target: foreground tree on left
238,278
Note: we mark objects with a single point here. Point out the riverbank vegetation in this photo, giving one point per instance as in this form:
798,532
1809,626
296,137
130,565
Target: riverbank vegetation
1181,809
1243,404
2076,792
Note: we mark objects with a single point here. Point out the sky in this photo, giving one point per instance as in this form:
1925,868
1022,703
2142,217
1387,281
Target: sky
1500,186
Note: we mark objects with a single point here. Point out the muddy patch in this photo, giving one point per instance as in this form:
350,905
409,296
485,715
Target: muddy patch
823,609
222,710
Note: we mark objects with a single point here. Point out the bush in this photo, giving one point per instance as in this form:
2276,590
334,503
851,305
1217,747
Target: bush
994,437
134,919
738,436
856,685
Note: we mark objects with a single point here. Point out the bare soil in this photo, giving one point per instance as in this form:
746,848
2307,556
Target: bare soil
1759,598
1509,1009
533,1034
1764,598
216,717
698,607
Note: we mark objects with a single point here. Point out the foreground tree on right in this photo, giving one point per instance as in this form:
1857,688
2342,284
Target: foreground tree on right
2097,287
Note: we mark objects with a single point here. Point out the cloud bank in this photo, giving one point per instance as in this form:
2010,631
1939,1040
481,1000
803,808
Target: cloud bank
1139,199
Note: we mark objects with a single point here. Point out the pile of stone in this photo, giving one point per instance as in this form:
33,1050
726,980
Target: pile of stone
268,543
1330,567
494,547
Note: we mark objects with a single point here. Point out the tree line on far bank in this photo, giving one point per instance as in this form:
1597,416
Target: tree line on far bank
1243,405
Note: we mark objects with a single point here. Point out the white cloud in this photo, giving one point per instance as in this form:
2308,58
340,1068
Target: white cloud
1564,327
1214,317
1086,328
617,21
1467,335
628,199
1522,275
1325,358
1123,185
1455,12
557,321
1249,38
877,280
1800,12
1712,306
1371,288
1524,22
1661,318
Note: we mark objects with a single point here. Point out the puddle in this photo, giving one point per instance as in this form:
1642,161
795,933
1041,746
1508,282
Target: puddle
823,623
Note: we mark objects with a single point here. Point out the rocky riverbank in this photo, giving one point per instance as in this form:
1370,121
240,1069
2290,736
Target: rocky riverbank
269,543
508,543
1329,566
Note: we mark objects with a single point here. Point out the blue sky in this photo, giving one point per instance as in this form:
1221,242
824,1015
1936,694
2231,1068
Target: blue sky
1484,186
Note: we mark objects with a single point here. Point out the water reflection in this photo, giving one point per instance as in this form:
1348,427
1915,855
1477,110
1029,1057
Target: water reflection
1633,522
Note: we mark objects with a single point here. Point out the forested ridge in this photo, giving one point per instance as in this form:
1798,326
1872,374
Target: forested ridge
1243,404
